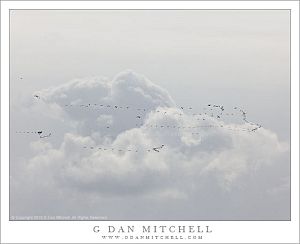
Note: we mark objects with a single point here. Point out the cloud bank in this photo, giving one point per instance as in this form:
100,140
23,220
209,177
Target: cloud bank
100,160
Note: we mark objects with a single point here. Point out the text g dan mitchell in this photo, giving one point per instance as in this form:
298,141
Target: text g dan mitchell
153,229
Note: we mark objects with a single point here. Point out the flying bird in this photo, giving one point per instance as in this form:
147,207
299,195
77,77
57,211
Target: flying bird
156,149
36,96
46,136
256,128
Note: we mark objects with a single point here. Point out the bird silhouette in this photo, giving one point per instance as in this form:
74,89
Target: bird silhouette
45,136
156,149
256,128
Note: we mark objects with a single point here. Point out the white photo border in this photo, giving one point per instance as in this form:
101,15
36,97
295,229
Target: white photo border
82,231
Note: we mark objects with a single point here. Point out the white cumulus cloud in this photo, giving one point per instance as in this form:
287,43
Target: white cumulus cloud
104,158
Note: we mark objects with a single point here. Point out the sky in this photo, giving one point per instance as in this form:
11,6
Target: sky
157,60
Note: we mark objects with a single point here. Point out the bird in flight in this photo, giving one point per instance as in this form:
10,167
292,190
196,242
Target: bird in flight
45,136
36,96
156,149
256,128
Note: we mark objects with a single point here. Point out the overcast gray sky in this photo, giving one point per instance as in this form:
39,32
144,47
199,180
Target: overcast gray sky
198,56
195,57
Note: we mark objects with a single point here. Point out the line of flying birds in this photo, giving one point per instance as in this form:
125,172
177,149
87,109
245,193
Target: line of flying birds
211,106
34,132
154,149
208,111
199,126
203,114
109,106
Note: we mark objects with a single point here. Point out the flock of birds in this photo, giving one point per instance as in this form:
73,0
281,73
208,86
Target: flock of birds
210,111
233,128
34,132
154,149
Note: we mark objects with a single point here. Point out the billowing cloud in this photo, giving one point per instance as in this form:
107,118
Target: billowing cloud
105,157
